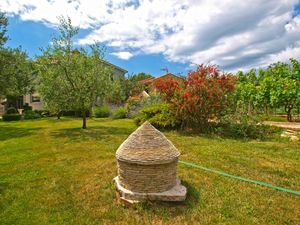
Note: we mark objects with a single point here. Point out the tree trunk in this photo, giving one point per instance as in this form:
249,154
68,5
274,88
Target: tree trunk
267,112
58,115
83,119
289,116
288,110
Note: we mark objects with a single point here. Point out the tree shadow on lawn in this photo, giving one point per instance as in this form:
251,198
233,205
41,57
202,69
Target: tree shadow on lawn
7,133
94,132
173,209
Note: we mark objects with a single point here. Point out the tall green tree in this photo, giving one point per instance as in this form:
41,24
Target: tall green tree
285,90
16,73
264,87
247,91
132,86
72,78
16,70
3,29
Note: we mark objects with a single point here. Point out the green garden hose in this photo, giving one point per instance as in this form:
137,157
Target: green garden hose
241,178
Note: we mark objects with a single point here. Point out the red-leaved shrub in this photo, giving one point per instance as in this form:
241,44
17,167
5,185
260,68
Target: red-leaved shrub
203,95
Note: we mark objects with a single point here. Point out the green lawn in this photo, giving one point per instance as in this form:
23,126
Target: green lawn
53,172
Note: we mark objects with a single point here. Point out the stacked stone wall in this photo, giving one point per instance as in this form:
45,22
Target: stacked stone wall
147,178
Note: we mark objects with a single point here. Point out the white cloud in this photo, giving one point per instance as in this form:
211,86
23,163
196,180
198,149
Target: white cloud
233,34
122,55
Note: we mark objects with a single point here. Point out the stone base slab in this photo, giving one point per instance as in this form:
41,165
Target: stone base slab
175,194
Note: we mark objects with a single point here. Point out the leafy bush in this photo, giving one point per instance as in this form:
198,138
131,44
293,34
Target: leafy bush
101,112
151,100
132,106
11,110
30,115
159,115
238,126
202,96
119,113
11,117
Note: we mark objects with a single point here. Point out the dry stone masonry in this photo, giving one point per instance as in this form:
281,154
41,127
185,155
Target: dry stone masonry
147,167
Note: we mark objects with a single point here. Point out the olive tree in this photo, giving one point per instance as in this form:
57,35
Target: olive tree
72,78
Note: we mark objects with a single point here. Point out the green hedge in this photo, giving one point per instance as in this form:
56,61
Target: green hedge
30,115
101,112
119,113
11,110
11,117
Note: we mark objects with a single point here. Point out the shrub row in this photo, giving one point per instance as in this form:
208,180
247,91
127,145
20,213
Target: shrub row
30,115
11,117
104,111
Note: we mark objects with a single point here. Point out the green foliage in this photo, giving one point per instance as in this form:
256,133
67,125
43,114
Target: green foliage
154,98
101,112
241,126
16,72
132,86
276,87
11,117
285,81
27,107
134,104
140,76
71,78
3,25
119,113
246,91
11,110
29,115
159,115
117,92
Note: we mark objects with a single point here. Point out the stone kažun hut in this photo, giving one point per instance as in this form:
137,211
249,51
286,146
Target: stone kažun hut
147,167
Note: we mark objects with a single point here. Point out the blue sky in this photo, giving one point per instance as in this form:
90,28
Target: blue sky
32,36
145,36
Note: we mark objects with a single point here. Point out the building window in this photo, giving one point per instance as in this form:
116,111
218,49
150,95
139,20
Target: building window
35,98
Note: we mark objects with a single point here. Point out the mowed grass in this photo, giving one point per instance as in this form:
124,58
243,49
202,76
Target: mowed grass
53,172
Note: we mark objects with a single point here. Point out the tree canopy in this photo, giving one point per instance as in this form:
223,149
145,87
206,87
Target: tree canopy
3,26
72,78
16,72
278,86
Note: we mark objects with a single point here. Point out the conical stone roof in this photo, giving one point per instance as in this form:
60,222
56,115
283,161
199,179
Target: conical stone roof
147,145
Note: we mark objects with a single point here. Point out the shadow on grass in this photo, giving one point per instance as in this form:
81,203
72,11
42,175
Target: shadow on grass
94,132
165,210
7,133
